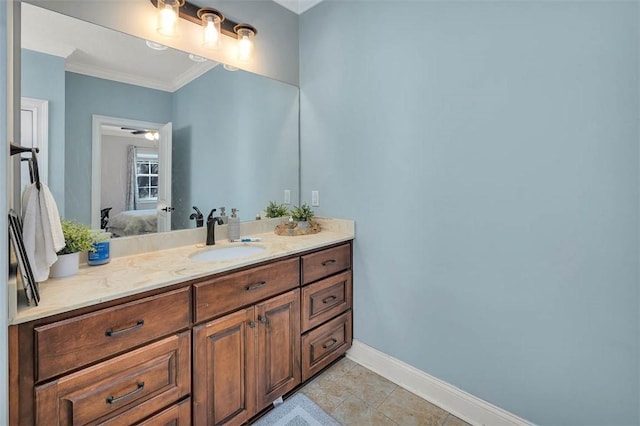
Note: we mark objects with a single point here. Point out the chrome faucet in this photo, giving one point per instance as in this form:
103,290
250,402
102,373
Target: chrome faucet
211,227
197,216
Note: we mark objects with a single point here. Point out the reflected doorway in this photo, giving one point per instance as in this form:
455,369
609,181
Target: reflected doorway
131,176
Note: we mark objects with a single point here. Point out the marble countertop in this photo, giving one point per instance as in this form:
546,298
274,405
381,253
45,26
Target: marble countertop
134,274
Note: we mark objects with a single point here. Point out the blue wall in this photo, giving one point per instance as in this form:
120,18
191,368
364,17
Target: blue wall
233,130
488,152
86,96
42,77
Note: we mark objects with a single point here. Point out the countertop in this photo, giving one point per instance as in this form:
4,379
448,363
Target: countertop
134,274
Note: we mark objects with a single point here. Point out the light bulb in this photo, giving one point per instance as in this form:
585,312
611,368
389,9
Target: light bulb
168,17
245,41
211,20
244,49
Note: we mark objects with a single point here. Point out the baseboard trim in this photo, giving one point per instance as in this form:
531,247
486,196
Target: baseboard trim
463,405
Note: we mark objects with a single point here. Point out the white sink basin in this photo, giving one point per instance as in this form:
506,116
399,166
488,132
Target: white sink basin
226,253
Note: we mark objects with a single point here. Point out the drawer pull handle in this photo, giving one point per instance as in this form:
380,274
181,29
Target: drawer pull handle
255,286
328,262
115,399
329,299
329,344
111,333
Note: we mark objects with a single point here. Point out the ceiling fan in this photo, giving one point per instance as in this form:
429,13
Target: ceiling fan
151,135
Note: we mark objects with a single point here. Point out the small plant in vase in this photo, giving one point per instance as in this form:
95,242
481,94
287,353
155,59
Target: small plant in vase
276,210
77,238
302,215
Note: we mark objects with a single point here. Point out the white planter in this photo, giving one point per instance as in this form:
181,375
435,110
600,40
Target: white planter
303,224
66,265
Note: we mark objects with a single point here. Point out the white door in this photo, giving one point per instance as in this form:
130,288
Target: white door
34,133
164,178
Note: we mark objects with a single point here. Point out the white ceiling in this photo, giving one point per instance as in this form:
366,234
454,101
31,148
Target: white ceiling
93,50
298,6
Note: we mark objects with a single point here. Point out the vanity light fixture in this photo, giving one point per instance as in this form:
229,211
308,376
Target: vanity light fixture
245,33
213,23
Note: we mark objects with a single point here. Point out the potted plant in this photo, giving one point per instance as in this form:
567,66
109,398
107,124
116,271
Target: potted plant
276,210
77,238
302,215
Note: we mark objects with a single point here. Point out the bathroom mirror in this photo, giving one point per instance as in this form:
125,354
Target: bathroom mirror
234,134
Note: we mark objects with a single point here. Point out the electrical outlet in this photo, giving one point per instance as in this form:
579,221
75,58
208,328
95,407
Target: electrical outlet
287,196
315,198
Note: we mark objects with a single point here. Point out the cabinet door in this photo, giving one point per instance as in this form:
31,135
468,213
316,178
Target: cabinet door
278,347
224,370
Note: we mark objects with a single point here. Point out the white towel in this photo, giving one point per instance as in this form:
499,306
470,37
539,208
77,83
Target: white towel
42,230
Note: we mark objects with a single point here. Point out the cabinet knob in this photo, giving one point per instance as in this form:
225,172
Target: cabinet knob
263,320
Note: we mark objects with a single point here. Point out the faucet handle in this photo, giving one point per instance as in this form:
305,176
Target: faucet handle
197,211
210,217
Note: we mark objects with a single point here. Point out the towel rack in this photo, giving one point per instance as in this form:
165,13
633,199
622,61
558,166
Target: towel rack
34,173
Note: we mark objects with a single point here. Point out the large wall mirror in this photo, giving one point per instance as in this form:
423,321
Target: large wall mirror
130,123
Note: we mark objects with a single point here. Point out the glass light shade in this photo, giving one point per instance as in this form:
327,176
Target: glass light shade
168,11
245,43
211,30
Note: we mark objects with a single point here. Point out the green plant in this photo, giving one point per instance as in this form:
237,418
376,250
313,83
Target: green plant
77,237
302,213
276,210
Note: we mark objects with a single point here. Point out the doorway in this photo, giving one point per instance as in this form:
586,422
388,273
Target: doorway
148,182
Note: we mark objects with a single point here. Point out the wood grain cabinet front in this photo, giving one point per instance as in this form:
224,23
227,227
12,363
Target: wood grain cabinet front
325,262
121,391
325,299
245,360
72,343
325,344
221,295
177,415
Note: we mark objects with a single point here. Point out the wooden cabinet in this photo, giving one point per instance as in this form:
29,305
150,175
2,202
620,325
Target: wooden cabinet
108,331
219,295
326,308
122,390
224,366
246,359
215,351
278,353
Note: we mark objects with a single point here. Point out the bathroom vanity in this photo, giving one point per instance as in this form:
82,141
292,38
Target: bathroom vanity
193,343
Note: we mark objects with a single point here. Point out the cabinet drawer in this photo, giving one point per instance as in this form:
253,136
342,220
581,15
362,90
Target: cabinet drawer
326,262
325,299
221,295
122,390
176,415
325,344
69,344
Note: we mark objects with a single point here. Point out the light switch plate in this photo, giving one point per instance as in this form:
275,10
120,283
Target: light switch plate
287,196
315,198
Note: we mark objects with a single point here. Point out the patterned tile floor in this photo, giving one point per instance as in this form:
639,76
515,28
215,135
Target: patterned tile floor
356,396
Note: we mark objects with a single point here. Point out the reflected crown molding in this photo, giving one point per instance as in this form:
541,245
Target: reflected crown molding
139,80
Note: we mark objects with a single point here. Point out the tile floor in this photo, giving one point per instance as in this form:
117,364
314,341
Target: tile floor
356,396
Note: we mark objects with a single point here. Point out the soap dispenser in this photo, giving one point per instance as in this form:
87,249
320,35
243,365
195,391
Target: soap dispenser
223,216
234,226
